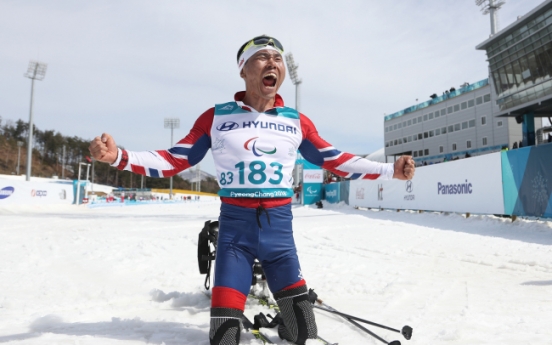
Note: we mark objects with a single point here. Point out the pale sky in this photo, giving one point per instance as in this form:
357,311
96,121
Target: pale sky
123,66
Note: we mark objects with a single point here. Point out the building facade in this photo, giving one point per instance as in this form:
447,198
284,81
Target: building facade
520,65
458,124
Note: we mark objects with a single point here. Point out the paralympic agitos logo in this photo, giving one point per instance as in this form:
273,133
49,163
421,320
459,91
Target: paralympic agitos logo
251,145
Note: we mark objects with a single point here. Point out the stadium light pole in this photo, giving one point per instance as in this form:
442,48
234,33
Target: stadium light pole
172,123
19,144
292,69
35,71
491,7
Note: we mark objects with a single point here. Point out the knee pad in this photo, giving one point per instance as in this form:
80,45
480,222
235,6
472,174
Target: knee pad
297,314
225,326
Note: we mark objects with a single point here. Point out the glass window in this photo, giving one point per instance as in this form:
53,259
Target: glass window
499,124
409,138
456,107
468,144
471,123
415,153
465,125
414,121
421,153
394,127
404,124
426,135
396,142
400,125
405,140
453,147
409,123
436,114
450,128
457,127
444,130
443,112
419,119
485,141
414,137
470,103
441,149
426,152
431,134
483,120
464,105
400,141
479,100
449,110
437,131
487,98
391,143
425,117
420,136
430,116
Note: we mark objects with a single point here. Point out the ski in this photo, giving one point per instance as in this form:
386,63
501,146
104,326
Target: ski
265,301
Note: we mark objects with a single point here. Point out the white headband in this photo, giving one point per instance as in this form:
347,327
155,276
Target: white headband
250,52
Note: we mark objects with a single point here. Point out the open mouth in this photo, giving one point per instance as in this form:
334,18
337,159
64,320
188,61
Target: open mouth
270,80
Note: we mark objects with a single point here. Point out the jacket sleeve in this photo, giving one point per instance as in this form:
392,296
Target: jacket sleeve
165,163
319,152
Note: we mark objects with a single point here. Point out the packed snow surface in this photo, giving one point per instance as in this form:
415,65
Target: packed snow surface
129,275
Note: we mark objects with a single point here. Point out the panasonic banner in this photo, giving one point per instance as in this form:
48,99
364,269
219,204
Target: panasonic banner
23,192
312,185
468,185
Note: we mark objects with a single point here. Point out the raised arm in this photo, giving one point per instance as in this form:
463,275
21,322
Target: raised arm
318,151
160,163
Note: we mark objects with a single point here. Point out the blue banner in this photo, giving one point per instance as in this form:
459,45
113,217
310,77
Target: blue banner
333,192
312,193
527,181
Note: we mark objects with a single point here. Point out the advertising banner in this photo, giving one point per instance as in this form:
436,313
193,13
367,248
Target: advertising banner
313,175
333,192
527,176
468,185
312,193
23,192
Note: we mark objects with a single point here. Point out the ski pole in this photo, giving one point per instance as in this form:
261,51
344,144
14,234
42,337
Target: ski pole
406,330
395,342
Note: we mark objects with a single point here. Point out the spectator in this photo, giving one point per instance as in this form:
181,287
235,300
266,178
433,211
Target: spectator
515,146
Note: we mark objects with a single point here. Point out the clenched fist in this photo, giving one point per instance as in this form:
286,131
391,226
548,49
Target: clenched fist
404,168
104,149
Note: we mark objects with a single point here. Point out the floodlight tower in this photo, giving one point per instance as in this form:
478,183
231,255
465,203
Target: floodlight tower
292,69
172,123
491,7
36,71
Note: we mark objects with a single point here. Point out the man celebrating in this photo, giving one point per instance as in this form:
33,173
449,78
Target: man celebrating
254,141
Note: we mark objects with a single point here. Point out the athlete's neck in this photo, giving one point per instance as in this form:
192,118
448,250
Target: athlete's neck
258,103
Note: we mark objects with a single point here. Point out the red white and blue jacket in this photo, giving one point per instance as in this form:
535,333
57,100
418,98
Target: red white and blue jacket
253,162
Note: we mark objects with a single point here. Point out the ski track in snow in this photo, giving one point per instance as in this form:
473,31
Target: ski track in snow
128,275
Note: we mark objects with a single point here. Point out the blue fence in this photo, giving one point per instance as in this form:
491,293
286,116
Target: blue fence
337,192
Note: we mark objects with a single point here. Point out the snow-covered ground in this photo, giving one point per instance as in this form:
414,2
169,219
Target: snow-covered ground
128,275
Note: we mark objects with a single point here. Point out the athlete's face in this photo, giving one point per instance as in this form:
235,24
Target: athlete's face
263,73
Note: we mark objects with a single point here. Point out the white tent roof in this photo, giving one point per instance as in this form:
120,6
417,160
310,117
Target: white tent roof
378,156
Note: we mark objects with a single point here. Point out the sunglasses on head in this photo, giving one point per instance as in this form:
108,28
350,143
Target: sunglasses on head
260,41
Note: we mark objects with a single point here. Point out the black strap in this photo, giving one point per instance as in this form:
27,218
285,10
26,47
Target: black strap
260,211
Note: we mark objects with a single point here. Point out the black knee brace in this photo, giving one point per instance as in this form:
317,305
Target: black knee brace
298,317
225,326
